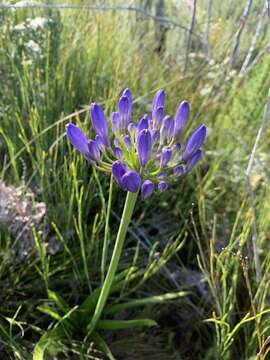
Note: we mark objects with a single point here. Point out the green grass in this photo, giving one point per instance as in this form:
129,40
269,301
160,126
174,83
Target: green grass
194,239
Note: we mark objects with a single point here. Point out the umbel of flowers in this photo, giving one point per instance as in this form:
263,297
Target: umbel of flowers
144,155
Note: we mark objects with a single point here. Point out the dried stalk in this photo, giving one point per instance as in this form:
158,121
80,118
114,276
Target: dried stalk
243,21
192,24
254,41
251,192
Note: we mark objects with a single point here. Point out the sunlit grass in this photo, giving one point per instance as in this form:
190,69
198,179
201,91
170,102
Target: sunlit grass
195,238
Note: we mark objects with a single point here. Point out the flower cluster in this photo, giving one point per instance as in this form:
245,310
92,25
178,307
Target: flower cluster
145,155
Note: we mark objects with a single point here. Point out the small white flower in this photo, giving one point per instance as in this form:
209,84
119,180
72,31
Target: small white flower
20,27
33,46
37,22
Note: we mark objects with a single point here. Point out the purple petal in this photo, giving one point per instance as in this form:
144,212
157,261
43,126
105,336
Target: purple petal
195,158
128,142
176,147
181,117
118,170
165,157
162,186
99,123
154,134
124,111
118,153
131,128
128,94
144,145
178,170
194,142
94,150
77,138
131,181
147,189
159,99
115,121
143,124
166,130
161,176
157,116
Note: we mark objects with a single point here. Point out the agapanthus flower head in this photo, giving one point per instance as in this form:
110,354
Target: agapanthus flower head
147,154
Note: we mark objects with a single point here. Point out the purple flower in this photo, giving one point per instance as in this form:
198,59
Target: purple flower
143,124
93,150
181,118
115,121
166,155
144,144
178,170
99,123
162,186
118,152
158,101
77,138
118,171
166,130
128,142
157,116
148,149
131,181
154,134
193,160
123,110
128,94
147,189
176,147
194,142
132,128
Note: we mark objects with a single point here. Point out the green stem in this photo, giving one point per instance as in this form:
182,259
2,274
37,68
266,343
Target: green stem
125,220
107,233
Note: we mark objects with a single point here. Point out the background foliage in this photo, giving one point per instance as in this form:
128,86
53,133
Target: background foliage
196,237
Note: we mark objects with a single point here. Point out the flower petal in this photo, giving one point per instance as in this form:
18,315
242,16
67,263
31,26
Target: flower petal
77,138
181,117
118,153
94,150
147,188
194,142
166,155
178,170
162,186
124,111
157,116
118,170
144,144
166,130
143,124
193,160
159,99
131,181
99,123
115,121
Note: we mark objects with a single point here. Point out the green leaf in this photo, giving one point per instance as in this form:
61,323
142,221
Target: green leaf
46,340
102,345
112,309
90,302
124,324
53,335
59,301
47,310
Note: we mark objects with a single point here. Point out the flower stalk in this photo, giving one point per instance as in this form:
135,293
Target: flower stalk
121,235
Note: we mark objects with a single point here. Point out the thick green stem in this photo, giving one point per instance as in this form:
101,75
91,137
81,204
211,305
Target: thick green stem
125,220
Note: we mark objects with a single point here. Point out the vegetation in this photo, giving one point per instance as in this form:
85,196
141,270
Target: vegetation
189,257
